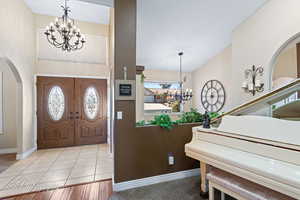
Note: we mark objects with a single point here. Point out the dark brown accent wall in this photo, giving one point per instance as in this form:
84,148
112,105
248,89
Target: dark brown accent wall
141,152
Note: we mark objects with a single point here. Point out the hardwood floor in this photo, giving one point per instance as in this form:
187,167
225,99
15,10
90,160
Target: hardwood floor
6,161
94,191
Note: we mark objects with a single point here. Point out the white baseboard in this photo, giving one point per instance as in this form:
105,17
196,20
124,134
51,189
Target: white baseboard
154,180
8,151
22,156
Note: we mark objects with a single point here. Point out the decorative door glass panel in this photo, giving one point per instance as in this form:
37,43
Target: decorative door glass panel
56,103
91,103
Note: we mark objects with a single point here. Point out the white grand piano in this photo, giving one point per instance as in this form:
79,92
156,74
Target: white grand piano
263,150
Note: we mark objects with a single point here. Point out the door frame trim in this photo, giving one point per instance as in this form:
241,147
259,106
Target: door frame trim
109,133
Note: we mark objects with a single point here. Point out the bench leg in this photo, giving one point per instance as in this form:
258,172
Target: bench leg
203,189
211,192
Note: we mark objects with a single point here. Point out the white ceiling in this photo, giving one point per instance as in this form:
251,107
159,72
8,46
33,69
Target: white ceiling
201,28
84,10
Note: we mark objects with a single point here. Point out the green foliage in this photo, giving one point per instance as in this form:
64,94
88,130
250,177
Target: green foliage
141,123
166,122
163,121
191,117
143,77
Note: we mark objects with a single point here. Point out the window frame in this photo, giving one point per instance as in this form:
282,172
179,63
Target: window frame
158,113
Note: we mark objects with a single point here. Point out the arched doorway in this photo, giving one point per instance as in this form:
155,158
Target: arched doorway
285,69
14,111
285,64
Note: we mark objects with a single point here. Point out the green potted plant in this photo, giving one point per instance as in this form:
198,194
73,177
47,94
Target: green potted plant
163,121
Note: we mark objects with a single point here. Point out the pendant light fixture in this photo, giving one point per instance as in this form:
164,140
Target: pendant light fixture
182,96
64,34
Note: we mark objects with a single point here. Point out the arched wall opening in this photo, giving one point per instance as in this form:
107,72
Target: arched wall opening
12,108
288,47
284,69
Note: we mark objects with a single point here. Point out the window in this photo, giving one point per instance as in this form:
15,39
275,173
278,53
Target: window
157,97
289,99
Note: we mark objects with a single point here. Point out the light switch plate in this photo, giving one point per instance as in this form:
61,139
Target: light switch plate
119,115
171,159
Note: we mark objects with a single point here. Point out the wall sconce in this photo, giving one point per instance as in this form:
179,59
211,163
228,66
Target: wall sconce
253,84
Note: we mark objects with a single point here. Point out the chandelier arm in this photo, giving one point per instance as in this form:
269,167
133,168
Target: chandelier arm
57,44
80,46
51,41
74,46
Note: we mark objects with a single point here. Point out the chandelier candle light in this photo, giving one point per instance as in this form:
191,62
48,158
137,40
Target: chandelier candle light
253,84
70,38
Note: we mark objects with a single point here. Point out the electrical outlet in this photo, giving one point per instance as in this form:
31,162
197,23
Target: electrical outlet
171,159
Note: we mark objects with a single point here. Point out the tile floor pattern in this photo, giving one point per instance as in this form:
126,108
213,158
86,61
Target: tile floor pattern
53,168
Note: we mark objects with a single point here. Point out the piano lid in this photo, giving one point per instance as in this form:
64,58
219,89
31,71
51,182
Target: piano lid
265,128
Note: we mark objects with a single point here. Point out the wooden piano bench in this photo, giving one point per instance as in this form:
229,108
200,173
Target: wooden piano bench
239,188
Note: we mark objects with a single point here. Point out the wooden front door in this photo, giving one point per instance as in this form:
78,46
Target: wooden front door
91,111
71,111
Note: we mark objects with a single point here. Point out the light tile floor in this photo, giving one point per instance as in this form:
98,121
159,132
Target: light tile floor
53,168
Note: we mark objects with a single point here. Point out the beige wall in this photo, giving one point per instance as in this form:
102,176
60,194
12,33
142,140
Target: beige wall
47,67
286,64
17,38
218,68
8,140
139,101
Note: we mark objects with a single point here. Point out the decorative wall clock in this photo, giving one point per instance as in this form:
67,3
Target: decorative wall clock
213,96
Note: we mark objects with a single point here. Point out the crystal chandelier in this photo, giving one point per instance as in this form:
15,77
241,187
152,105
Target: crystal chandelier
183,95
64,34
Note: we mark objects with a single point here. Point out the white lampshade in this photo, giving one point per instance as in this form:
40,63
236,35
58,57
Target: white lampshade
245,85
258,83
250,87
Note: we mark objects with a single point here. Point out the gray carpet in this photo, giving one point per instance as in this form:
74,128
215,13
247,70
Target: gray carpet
184,189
